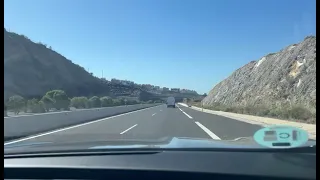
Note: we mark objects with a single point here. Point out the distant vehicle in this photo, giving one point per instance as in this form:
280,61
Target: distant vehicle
171,102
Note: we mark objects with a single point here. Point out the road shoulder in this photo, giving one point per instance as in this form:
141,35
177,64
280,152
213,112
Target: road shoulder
263,121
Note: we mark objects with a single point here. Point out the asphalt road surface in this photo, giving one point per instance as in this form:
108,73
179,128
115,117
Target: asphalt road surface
151,123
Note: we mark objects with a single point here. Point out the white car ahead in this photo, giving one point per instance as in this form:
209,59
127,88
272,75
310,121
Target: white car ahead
171,102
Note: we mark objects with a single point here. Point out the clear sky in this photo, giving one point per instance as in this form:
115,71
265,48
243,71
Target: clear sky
190,44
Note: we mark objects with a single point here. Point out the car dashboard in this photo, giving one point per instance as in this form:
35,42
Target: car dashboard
163,163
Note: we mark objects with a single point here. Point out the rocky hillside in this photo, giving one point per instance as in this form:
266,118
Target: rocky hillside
31,69
287,77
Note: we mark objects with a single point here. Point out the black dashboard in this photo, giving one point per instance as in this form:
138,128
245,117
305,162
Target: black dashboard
149,164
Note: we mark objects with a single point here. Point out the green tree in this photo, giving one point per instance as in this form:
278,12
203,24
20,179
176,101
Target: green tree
94,102
16,103
47,102
122,101
116,102
131,102
36,106
61,100
31,103
79,102
106,101
57,99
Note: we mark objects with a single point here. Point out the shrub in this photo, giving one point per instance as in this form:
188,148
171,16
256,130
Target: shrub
56,99
300,113
16,103
94,102
297,112
79,102
106,101
116,102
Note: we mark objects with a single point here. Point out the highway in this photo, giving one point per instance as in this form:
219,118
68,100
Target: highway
151,123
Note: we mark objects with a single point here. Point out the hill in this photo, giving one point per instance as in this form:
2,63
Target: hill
31,69
276,81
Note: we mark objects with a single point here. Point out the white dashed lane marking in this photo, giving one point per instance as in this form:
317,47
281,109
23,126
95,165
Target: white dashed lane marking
128,129
210,133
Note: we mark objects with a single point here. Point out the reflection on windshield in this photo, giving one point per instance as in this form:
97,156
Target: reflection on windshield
159,75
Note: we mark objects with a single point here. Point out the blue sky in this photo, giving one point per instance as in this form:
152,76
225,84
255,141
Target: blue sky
190,44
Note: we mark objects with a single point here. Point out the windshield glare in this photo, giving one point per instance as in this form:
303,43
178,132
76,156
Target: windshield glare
163,74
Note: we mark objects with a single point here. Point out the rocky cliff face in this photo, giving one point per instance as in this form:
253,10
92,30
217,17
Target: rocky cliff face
285,77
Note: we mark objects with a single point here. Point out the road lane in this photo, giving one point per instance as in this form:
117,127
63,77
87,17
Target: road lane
110,128
148,124
223,127
170,122
153,123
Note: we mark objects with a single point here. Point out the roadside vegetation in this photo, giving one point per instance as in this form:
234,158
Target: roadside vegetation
295,112
58,100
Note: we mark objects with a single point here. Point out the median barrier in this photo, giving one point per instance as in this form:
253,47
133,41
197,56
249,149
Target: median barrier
26,125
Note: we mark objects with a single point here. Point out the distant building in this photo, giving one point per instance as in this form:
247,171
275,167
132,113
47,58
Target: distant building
188,91
147,87
177,90
165,89
127,83
115,81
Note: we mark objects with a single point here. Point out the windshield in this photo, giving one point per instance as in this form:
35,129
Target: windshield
82,75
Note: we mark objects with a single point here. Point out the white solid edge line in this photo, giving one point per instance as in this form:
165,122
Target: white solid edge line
153,114
185,113
211,134
128,129
71,127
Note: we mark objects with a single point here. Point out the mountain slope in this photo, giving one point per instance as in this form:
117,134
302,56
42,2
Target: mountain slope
277,79
31,69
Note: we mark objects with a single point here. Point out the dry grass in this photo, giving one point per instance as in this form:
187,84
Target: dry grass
295,113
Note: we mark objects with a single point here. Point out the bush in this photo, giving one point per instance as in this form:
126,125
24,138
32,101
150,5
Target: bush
106,101
37,106
16,103
47,102
122,101
300,113
94,102
274,112
79,102
230,109
116,102
61,100
131,102
297,112
56,99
